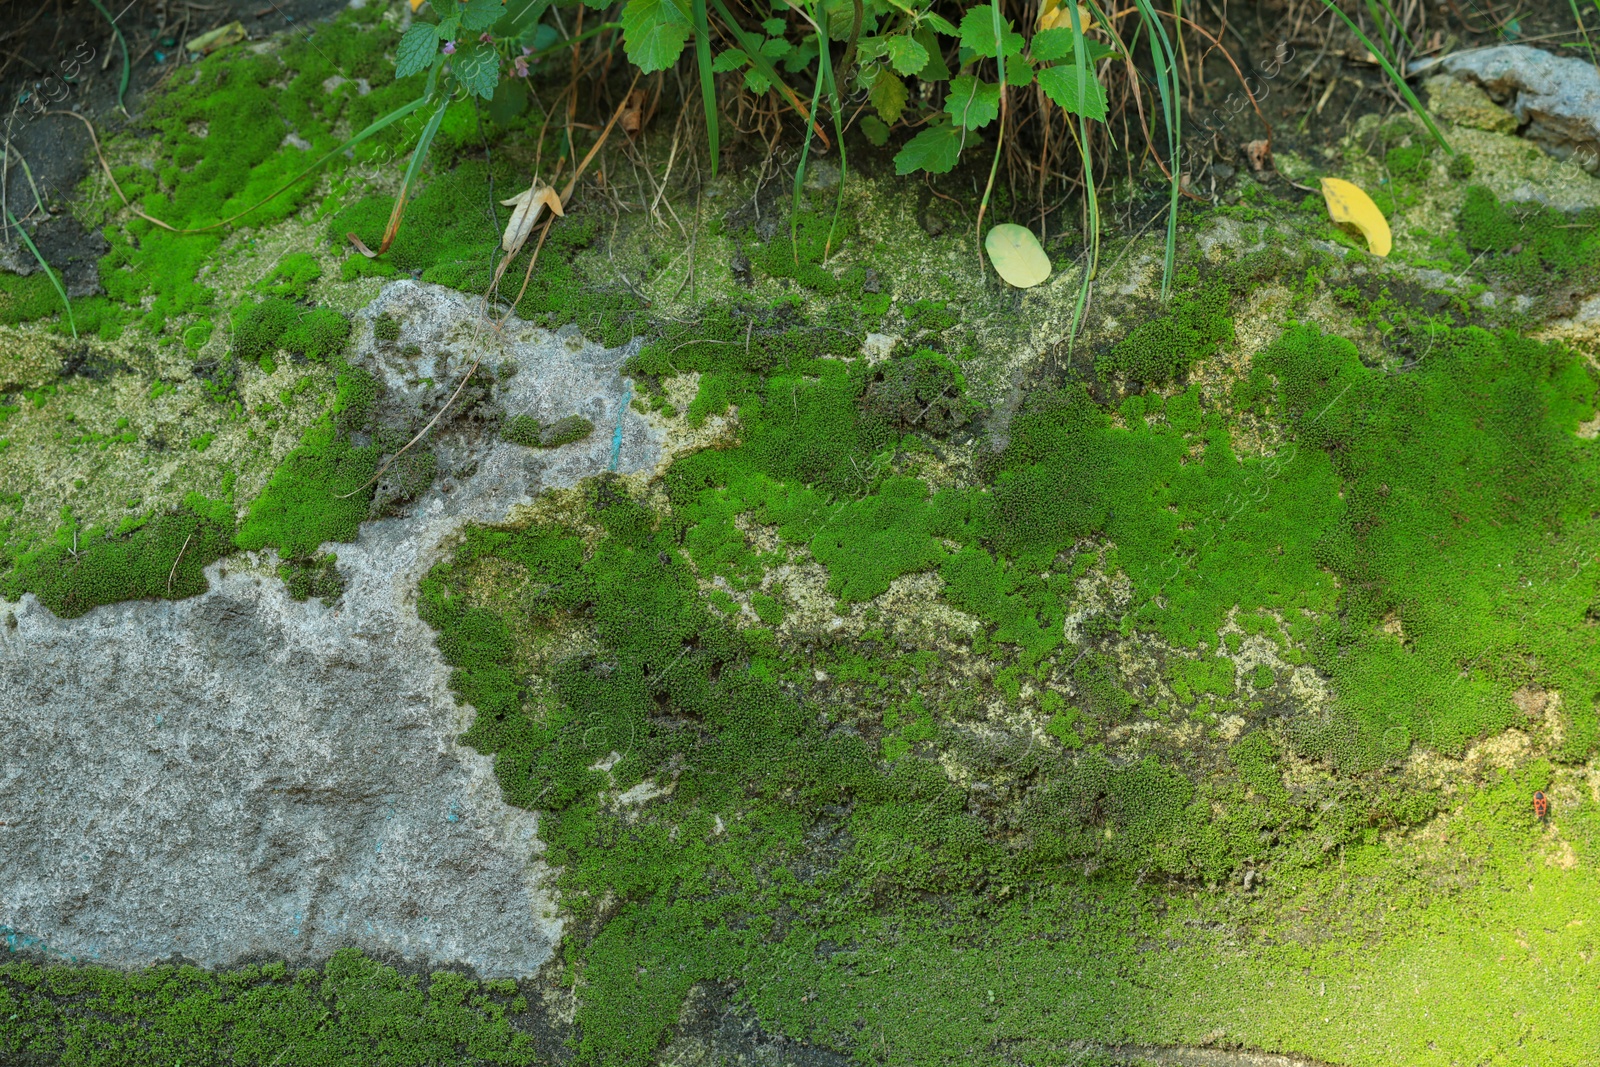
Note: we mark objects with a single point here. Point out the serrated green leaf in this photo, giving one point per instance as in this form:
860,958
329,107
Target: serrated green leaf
732,59
940,24
447,28
1019,72
870,48
444,8
775,48
977,33
416,49
774,27
756,81
934,150
874,130
477,68
888,96
1058,44
481,14
972,103
906,55
1074,89
935,70
654,33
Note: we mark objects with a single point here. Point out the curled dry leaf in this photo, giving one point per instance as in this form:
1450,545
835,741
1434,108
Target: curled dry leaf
1259,155
1349,205
529,205
1016,255
633,113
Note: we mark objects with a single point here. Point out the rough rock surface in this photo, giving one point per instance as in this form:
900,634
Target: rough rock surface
239,775
1556,98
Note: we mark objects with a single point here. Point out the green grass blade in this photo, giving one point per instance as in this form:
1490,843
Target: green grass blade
1394,76
805,148
1080,48
122,86
60,290
1577,17
708,89
826,72
1165,61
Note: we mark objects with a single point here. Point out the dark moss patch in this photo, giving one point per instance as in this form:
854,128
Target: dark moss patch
530,432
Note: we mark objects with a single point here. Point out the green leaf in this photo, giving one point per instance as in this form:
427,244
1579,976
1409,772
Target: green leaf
756,81
654,33
481,14
870,48
775,27
732,59
416,50
977,33
972,103
477,67
447,28
775,48
1019,72
1075,90
1058,43
510,100
940,24
935,70
906,55
888,96
874,130
445,9
934,150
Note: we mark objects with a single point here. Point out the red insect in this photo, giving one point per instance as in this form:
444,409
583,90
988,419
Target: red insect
1541,805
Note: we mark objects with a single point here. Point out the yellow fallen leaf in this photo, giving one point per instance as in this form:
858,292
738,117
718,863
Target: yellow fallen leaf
1348,204
1016,255
415,4
1052,16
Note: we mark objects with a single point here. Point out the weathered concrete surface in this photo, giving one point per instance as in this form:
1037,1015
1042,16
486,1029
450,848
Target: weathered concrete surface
241,775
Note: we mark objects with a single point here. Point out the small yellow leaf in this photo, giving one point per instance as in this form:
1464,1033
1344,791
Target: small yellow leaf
415,4
1348,204
1053,16
1016,255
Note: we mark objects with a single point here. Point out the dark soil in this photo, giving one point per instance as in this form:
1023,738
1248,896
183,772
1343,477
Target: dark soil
63,56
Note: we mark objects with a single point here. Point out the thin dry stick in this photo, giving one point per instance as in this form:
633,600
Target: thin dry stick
174,572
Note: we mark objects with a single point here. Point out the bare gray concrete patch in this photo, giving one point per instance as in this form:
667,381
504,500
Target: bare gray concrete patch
239,775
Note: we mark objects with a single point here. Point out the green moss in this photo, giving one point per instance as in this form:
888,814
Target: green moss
1164,348
320,492
386,327
353,1010
316,577
1537,246
165,557
261,330
528,431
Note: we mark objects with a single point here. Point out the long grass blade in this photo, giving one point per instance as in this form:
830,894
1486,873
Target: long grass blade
122,86
751,45
1164,59
1080,48
412,169
1583,31
805,148
1000,141
708,89
1394,75
60,290
826,72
